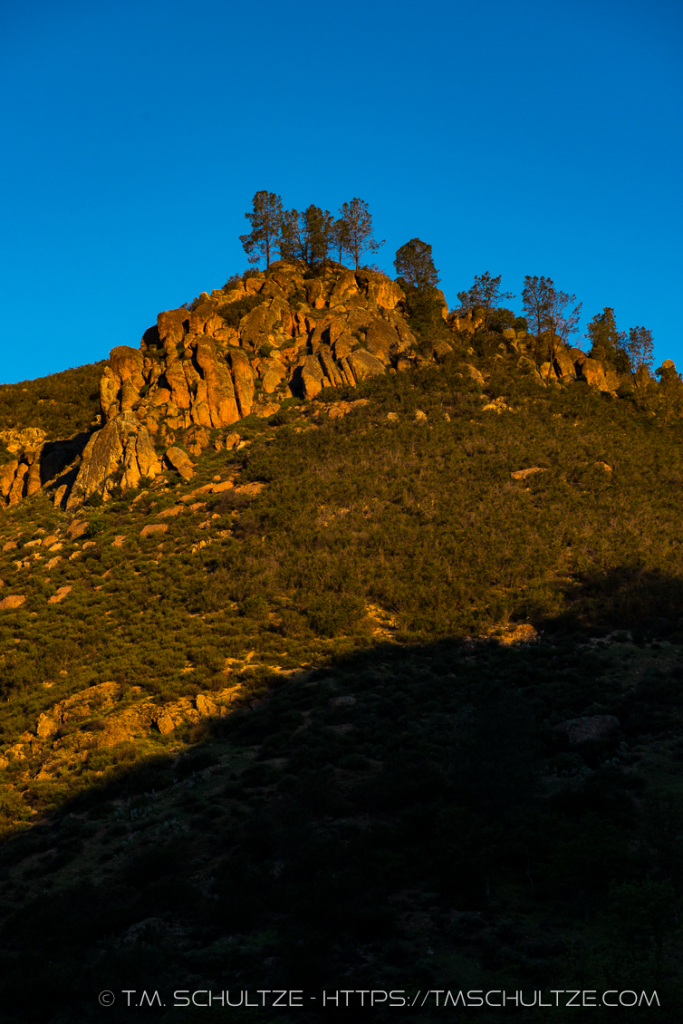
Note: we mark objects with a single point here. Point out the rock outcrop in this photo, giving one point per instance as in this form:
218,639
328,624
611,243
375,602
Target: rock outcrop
591,727
201,369
240,351
103,716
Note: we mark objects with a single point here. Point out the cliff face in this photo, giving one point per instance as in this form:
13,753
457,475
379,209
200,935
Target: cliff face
244,350
202,370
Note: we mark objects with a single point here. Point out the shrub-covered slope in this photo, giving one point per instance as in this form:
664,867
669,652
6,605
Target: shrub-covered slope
265,727
59,405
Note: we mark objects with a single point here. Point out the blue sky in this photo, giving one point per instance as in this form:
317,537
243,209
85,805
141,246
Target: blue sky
516,136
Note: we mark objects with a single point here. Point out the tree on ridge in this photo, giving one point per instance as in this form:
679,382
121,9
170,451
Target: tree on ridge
339,237
415,266
608,343
640,348
549,311
419,277
266,224
485,294
358,237
306,236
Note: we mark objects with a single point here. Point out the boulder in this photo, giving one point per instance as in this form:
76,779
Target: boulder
522,474
345,287
7,475
262,324
475,374
151,528
220,393
442,299
594,373
126,364
254,284
591,727
312,377
564,365
12,601
344,345
329,366
181,462
109,392
381,340
442,350
172,325
380,290
77,528
272,373
364,364
60,595
18,488
243,378
170,513
464,322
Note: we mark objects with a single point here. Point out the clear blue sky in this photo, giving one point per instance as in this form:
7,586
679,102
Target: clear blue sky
516,136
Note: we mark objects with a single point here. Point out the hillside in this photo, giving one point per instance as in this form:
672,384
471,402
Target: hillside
344,653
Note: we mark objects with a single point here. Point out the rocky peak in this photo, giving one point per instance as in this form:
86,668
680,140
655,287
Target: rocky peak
244,349
241,350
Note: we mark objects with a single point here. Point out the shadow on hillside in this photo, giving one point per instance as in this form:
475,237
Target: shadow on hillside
58,456
630,597
345,820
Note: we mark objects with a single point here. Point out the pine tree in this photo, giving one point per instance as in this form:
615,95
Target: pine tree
485,294
419,277
415,266
640,348
546,310
670,391
358,237
339,237
607,343
306,236
315,234
289,242
266,222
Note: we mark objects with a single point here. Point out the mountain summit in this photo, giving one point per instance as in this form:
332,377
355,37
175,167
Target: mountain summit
246,349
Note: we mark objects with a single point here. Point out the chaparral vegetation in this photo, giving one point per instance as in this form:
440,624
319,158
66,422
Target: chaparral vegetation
341,638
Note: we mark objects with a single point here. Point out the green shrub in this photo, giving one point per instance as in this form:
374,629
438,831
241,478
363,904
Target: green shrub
232,312
331,614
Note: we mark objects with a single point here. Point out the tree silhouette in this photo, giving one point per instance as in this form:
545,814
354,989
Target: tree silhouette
415,266
266,223
608,343
357,232
306,236
549,311
339,237
640,348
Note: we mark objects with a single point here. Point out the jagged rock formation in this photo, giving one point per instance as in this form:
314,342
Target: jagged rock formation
243,350
203,369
